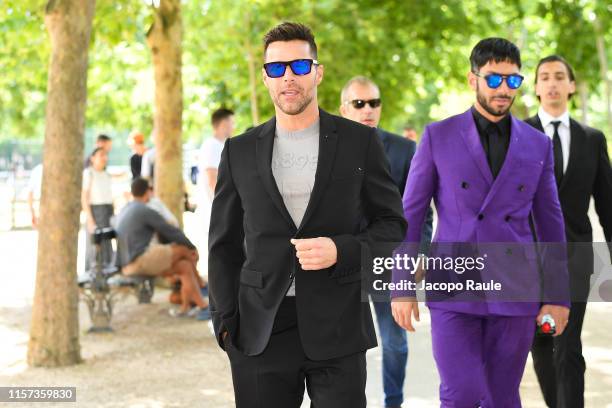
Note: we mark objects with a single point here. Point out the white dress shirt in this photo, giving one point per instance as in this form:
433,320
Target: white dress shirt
564,132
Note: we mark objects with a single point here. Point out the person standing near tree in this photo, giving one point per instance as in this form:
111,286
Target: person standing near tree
97,203
34,191
103,141
209,156
136,142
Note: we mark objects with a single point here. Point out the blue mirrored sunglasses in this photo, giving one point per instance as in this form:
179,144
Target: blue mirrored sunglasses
299,67
494,81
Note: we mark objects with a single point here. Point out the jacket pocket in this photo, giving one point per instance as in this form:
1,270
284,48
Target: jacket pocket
353,277
251,278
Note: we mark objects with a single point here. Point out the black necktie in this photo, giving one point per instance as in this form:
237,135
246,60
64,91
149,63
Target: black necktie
558,152
497,151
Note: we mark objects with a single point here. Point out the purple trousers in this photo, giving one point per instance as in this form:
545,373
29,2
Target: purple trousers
480,359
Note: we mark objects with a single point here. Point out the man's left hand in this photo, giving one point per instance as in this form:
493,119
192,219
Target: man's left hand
560,315
316,253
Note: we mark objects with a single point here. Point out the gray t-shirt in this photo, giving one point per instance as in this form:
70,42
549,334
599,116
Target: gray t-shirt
294,163
136,224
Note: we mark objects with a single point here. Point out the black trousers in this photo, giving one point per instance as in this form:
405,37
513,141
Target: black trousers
277,377
558,361
102,214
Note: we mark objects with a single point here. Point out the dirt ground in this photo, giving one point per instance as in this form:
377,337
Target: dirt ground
150,360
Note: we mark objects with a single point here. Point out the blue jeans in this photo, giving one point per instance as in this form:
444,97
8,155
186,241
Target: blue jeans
394,352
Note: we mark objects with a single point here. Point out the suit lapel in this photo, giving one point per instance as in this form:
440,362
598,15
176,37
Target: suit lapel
385,139
328,140
474,146
535,122
508,161
576,136
264,146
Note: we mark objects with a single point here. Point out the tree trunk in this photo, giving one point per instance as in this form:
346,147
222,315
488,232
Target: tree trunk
252,84
603,69
54,332
253,78
583,91
164,39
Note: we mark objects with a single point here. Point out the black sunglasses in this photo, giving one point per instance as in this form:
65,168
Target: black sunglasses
299,67
361,103
494,81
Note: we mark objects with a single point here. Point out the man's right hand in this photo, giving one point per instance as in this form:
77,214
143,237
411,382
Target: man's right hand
402,309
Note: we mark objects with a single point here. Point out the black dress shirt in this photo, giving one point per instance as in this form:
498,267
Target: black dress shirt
495,138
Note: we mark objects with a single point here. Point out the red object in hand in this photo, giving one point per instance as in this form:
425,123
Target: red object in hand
546,328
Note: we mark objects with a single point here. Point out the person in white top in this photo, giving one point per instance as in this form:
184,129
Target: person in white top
208,163
147,168
210,152
34,191
159,206
97,203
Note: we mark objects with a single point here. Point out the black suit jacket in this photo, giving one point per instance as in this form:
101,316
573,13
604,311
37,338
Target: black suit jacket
588,175
400,152
251,261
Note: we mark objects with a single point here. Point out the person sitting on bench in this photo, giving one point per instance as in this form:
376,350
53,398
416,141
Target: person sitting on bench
174,254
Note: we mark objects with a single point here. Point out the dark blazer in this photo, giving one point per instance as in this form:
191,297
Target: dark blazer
588,175
251,261
400,152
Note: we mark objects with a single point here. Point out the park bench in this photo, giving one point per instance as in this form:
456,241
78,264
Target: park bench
101,286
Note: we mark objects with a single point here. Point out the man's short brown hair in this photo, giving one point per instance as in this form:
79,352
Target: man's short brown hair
289,31
139,187
220,115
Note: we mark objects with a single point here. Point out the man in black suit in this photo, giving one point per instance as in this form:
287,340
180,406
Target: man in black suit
287,236
361,102
582,170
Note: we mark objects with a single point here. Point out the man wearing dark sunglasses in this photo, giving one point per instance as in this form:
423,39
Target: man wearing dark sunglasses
286,240
360,101
488,173
582,172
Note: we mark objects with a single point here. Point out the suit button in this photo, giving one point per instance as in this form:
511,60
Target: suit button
480,217
521,188
508,218
464,185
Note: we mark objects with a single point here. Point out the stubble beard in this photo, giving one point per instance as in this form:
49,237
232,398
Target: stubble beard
293,108
482,100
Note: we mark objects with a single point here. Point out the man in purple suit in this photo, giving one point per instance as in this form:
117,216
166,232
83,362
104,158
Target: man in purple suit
487,173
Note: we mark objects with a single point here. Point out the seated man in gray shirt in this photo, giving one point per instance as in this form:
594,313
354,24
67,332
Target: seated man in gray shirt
174,254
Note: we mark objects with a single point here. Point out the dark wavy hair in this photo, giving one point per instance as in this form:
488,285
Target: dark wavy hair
494,49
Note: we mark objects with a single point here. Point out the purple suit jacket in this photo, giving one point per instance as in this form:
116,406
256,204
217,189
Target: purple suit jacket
451,167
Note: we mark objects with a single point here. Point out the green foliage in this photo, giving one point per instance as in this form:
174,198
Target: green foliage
416,51
24,53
